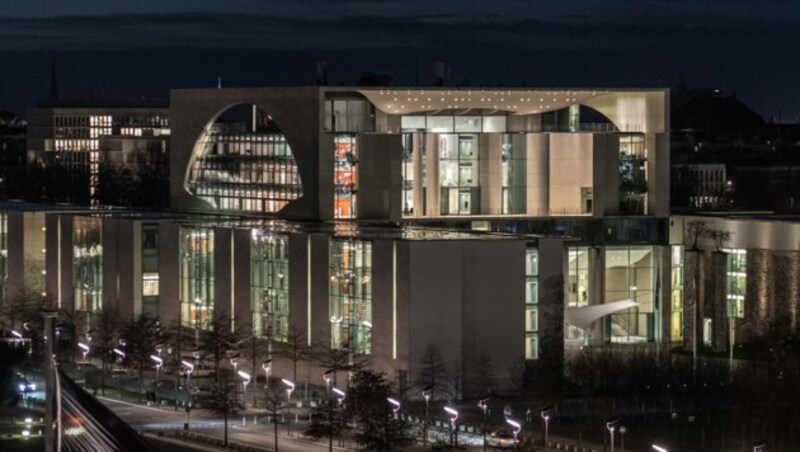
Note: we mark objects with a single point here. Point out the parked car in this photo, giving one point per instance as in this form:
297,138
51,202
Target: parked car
502,439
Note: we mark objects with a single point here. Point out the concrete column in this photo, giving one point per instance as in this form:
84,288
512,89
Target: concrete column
169,264
758,295
490,173
597,272
787,292
693,293
418,143
720,323
551,307
537,175
432,175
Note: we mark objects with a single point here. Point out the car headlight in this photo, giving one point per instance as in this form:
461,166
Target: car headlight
32,386
21,387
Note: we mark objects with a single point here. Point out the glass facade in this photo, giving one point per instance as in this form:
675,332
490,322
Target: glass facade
531,304
197,276
632,173
736,282
150,276
513,167
459,176
244,163
578,276
676,296
350,302
629,275
87,261
345,176
269,284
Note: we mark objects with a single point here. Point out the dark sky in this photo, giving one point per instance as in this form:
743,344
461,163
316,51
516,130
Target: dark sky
108,48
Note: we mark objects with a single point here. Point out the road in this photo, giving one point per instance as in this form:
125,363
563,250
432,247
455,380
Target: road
143,417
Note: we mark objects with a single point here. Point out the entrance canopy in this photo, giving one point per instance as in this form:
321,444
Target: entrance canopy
583,317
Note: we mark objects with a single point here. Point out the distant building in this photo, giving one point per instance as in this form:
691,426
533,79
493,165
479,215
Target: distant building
77,143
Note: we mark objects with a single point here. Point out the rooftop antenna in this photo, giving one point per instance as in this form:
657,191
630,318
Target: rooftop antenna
219,82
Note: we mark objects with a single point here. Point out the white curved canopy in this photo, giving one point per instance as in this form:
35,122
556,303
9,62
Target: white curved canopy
583,317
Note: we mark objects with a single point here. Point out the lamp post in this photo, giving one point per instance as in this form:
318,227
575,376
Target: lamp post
246,377
339,395
327,377
611,426
189,368
267,366
197,302
517,427
546,414
289,388
395,404
622,438
427,392
120,355
159,362
658,448
453,418
483,404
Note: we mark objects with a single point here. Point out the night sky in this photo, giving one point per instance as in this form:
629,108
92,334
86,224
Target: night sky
111,48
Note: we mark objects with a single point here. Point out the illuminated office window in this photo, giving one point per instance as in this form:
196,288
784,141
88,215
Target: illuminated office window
532,304
350,292
736,282
345,176
197,276
269,284
87,260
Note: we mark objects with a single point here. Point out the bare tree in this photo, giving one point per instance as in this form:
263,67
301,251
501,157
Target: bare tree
218,339
273,403
107,328
482,375
433,371
295,348
223,401
140,340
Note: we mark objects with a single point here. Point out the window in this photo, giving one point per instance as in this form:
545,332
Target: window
531,303
350,292
269,284
345,176
736,282
197,276
629,275
87,255
676,299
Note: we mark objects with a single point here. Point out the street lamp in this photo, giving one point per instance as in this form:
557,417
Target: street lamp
622,438
339,395
246,377
336,322
159,362
189,368
611,426
426,394
395,403
327,377
235,361
16,334
658,448
453,418
547,412
85,348
289,388
517,427
267,366
483,404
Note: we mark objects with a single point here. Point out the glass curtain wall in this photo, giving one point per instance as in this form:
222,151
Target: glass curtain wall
676,328
632,173
629,275
577,290
531,304
150,277
513,167
197,276
269,284
245,163
87,255
459,174
736,282
345,176
350,303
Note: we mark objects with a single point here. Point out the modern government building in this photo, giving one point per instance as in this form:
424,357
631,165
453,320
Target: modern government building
504,224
